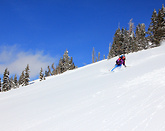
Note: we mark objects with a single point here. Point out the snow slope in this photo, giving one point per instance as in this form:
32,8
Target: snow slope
92,98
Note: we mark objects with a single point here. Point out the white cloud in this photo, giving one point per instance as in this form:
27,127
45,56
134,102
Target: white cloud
16,60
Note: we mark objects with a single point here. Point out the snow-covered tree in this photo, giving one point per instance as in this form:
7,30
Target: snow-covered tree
161,24
16,82
71,63
49,71
141,40
131,46
58,69
121,43
61,65
54,70
125,44
22,79
131,28
41,75
6,81
12,84
65,63
115,48
153,30
68,62
27,76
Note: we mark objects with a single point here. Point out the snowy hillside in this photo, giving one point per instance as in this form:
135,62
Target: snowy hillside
92,98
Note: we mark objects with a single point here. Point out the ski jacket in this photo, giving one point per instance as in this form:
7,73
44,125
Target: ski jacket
120,61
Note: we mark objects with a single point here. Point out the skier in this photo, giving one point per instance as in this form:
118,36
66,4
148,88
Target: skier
120,61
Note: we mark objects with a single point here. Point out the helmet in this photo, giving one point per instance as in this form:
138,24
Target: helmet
123,57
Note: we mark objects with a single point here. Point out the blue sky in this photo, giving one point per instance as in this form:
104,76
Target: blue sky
37,32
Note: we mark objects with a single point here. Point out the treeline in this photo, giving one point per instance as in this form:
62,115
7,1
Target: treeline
65,63
127,41
96,58
12,83
8,83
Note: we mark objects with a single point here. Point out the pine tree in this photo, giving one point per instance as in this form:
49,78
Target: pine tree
61,66
131,28
99,56
49,71
161,24
131,46
143,32
153,30
115,48
108,57
141,40
12,84
27,76
54,70
16,82
22,79
120,43
93,55
125,44
68,62
113,51
137,38
41,75
6,82
65,63
72,66
58,69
